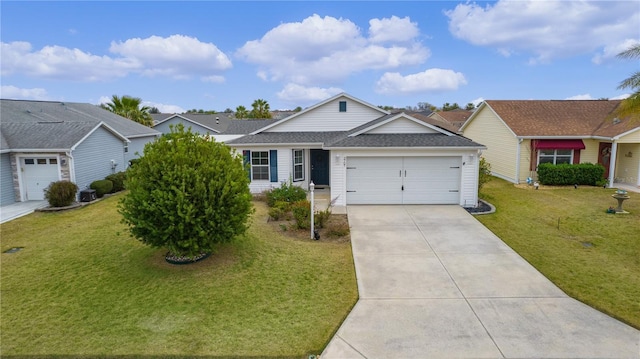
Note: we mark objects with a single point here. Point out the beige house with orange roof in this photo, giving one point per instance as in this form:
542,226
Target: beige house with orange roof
521,134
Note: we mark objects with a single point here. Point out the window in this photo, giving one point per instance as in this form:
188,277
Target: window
298,165
555,156
343,106
53,161
126,147
42,161
259,165
29,161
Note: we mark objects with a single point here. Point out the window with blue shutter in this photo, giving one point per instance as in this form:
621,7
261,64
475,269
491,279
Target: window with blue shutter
273,165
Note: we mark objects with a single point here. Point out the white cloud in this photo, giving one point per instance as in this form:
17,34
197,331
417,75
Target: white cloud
431,80
177,56
546,29
297,94
585,96
477,101
326,50
392,29
611,51
214,79
164,108
61,63
16,93
621,97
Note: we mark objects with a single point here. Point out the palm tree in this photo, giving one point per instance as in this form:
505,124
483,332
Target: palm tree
260,109
129,107
241,112
630,107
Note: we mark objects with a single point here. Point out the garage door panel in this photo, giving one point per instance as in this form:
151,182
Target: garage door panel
408,180
374,180
38,173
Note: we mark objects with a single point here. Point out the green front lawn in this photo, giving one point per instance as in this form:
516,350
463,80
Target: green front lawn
568,236
83,286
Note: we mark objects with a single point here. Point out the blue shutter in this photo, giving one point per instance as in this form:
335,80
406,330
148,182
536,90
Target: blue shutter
273,165
246,155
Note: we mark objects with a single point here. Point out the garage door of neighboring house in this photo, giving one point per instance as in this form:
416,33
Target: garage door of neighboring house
403,180
37,174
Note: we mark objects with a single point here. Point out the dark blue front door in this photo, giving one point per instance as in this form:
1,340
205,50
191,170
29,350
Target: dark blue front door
320,167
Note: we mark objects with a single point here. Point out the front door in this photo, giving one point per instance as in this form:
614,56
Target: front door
319,167
604,157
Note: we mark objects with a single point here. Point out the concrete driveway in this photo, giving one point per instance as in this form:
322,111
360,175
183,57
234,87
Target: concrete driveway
435,283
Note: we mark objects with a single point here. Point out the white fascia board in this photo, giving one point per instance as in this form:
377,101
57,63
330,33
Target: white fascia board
188,120
465,148
626,133
311,108
158,134
297,144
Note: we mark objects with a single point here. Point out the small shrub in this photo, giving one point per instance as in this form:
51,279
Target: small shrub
133,162
102,187
337,229
320,218
287,192
276,213
118,181
302,214
484,176
61,193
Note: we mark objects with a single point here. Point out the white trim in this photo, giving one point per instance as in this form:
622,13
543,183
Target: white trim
22,187
308,109
626,133
462,148
612,162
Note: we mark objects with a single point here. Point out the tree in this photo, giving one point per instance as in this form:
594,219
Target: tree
241,112
187,193
449,107
297,109
470,107
425,106
153,110
630,107
130,107
260,109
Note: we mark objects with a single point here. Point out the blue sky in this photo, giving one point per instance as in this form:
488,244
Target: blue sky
215,55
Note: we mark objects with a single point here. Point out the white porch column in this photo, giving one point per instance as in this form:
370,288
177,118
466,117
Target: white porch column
612,163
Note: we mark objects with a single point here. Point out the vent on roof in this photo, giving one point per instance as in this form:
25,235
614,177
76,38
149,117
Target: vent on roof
616,121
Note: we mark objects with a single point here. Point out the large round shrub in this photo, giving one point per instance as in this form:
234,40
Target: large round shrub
61,193
102,187
186,193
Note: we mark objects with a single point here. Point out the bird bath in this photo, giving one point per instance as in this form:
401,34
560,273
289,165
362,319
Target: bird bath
620,196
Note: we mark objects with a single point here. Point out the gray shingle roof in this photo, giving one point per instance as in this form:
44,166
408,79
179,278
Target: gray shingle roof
403,140
220,122
59,125
288,138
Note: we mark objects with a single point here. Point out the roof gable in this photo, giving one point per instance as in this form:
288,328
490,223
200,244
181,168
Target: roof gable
326,116
396,124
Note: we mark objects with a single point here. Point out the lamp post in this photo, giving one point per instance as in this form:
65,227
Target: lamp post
311,188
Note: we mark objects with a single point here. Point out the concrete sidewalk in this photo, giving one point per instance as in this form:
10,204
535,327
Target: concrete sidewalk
435,283
19,209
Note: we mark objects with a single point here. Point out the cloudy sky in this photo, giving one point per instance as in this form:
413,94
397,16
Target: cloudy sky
215,55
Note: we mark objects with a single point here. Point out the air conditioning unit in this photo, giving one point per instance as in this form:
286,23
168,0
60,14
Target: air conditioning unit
88,195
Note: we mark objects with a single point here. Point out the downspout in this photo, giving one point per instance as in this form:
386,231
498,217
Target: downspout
612,162
518,160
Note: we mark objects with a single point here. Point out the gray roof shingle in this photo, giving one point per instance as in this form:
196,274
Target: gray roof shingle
59,125
403,140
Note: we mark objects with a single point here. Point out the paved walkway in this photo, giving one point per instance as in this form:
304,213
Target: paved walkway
435,283
19,209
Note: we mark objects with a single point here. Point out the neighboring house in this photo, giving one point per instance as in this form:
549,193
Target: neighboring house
444,124
43,142
220,126
364,154
519,135
456,118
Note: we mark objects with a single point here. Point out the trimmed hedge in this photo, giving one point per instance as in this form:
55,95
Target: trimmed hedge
565,174
118,181
102,187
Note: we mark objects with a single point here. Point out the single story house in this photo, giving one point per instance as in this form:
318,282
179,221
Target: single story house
220,126
364,154
521,134
42,142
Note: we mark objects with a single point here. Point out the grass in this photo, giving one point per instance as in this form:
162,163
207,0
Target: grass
568,236
83,287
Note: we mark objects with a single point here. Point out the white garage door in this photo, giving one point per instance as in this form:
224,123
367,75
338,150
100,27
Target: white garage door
37,174
403,180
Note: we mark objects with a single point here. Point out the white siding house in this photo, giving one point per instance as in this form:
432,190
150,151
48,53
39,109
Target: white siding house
364,154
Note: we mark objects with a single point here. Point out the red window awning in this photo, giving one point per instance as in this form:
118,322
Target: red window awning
559,145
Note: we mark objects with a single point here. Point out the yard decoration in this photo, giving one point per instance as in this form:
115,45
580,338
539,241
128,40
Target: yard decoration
187,193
